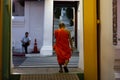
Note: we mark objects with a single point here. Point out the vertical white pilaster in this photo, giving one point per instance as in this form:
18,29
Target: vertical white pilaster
27,13
47,49
80,35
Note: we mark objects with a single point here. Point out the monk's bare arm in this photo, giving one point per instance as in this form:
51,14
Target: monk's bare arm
70,40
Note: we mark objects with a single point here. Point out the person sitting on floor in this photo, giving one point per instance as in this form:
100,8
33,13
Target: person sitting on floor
26,42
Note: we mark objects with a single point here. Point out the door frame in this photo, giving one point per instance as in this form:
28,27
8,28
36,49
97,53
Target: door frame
70,4
90,40
1,9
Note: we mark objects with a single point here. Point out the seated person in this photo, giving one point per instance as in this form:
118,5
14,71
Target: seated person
26,42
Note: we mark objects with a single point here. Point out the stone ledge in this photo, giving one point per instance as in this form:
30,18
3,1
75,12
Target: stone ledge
33,55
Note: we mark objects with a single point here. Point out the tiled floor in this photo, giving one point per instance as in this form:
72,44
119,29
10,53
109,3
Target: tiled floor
42,61
50,77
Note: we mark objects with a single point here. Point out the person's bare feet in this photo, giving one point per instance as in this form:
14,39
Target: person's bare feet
66,69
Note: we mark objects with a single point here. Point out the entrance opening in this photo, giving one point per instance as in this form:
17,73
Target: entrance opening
66,11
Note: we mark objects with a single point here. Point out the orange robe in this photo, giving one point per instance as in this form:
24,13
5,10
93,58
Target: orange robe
62,45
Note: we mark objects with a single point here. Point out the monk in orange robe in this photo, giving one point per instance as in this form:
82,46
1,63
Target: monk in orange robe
63,46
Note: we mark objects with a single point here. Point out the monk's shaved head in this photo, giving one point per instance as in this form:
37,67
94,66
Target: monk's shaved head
61,25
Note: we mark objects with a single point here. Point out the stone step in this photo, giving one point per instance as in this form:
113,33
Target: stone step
38,70
47,62
45,66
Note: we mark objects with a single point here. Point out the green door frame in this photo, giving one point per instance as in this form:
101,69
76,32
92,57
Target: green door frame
6,41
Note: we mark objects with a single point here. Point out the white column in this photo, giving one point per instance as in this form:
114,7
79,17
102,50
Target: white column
47,49
80,35
27,15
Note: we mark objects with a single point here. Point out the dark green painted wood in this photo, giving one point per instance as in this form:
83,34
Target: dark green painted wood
81,76
6,42
14,77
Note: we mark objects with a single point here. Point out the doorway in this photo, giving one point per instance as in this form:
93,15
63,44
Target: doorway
66,12
27,62
89,68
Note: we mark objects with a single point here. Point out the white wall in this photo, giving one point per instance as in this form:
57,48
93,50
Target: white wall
17,30
107,49
35,17
32,22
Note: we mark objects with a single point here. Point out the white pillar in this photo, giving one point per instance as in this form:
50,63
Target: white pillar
47,49
80,35
27,16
